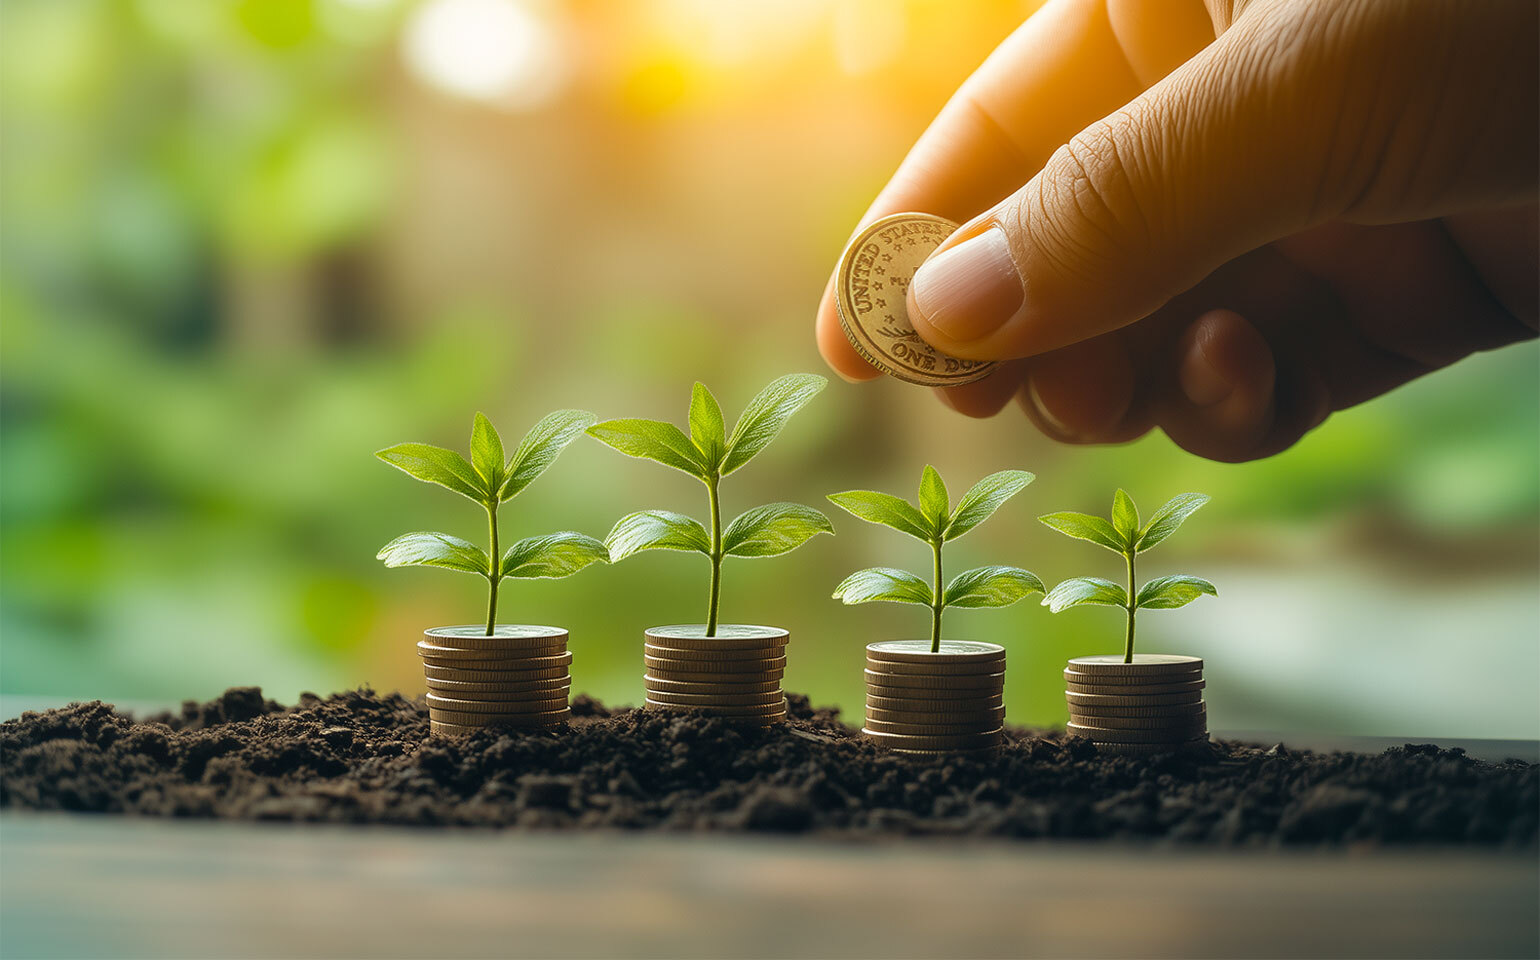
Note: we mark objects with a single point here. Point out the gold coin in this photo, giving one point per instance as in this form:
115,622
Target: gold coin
969,681
508,641
715,666
772,678
1136,690
715,699
1171,734
1150,749
436,652
468,689
933,754
521,720
439,728
1077,676
1145,664
1168,710
1137,723
871,281
918,651
964,669
957,741
543,705
931,729
921,701
925,693
441,672
497,666
737,710
654,682
1149,700
711,656
729,637
992,716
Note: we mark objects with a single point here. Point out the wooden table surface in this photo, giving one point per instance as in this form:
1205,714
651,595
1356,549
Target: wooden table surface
121,887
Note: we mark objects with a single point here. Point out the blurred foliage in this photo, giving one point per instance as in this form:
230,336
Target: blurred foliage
245,244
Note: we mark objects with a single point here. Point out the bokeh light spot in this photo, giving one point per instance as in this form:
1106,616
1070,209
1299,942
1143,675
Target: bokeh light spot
496,51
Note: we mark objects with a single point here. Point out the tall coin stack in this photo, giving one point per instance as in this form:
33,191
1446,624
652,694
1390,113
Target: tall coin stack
736,673
518,677
1152,705
950,701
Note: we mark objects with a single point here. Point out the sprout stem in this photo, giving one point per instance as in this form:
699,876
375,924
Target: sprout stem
716,558
1128,644
492,572
936,603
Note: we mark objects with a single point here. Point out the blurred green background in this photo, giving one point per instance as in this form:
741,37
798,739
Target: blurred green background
246,244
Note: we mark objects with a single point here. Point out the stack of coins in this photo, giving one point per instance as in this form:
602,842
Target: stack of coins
518,677
1152,705
950,701
736,673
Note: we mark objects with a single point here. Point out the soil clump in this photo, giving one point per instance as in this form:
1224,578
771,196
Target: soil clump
365,757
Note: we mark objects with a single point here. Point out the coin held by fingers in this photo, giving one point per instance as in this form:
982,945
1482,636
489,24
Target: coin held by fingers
870,292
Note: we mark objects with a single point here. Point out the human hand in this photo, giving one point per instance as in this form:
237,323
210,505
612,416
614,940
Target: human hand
1237,216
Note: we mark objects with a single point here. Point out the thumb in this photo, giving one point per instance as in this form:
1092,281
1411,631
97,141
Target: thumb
1280,124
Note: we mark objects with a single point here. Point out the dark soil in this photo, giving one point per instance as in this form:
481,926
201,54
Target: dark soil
364,757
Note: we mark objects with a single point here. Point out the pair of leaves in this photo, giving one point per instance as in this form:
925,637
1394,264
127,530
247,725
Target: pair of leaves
709,452
487,478
1162,593
993,586
552,556
766,531
933,520
1122,534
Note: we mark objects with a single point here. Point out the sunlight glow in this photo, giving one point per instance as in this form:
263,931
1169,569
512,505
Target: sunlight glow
499,52
868,34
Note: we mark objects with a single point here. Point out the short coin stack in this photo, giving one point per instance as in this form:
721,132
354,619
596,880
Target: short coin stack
518,677
1152,705
736,673
950,701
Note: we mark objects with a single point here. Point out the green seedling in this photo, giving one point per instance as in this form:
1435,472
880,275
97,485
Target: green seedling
708,454
1123,535
934,522
490,481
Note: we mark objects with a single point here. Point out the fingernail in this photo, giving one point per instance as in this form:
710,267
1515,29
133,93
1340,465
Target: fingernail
1200,381
971,290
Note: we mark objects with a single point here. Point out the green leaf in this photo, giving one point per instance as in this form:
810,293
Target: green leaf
487,452
773,529
935,503
1170,516
1168,593
984,498
766,414
655,530
886,509
653,440
1079,590
424,549
437,465
994,586
1083,526
883,583
552,556
707,430
1125,517
541,446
